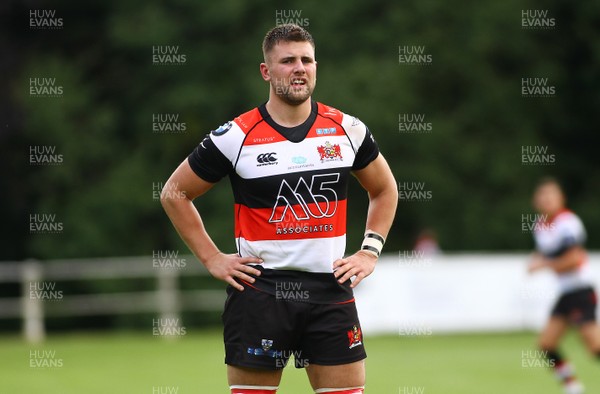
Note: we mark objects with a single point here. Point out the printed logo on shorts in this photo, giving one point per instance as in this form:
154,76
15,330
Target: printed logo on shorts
354,337
266,344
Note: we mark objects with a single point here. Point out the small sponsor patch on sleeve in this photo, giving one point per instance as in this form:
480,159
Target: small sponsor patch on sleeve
222,129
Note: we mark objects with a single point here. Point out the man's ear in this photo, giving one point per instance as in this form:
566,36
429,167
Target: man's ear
264,72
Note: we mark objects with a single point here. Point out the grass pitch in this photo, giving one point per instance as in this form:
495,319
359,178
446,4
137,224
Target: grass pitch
131,363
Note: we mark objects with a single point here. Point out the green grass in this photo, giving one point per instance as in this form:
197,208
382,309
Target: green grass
132,363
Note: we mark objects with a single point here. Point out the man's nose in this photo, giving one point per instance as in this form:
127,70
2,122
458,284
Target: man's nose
299,67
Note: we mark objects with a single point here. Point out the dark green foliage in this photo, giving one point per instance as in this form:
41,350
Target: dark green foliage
471,161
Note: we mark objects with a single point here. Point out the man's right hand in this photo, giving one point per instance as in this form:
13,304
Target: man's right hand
226,267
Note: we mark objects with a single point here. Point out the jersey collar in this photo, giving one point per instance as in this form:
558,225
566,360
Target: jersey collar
293,134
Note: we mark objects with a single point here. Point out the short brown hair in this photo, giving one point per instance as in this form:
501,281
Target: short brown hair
287,32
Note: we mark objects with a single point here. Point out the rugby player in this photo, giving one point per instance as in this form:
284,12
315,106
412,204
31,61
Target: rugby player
559,238
290,287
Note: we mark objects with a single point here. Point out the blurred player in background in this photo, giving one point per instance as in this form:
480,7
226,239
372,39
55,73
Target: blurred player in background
427,243
289,162
559,237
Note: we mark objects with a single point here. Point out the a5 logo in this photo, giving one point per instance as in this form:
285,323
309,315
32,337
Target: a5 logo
317,200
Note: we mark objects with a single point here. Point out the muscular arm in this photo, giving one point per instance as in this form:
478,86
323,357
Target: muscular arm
180,190
568,261
377,179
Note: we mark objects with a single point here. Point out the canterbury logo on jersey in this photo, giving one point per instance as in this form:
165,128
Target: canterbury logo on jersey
318,200
267,158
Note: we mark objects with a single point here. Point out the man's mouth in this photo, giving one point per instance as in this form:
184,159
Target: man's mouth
297,82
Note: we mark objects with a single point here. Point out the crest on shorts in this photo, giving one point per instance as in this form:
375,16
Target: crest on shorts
354,337
329,152
266,344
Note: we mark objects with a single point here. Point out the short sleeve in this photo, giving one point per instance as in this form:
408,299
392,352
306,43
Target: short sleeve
208,162
572,233
367,152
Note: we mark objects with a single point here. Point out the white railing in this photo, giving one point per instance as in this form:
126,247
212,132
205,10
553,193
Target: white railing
408,293
40,293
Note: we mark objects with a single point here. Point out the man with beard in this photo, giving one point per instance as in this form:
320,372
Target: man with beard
290,287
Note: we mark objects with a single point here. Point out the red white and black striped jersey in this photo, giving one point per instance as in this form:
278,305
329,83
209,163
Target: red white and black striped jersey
555,236
289,184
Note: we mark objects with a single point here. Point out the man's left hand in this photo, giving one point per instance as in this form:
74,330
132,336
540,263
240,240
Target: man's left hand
360,264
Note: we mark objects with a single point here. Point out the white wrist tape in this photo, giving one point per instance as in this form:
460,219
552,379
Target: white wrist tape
373,243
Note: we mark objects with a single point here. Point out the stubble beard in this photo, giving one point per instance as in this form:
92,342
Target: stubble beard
287,95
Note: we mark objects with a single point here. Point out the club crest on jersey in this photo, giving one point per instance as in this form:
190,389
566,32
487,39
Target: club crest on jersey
266,344
329,152
222,129
354,337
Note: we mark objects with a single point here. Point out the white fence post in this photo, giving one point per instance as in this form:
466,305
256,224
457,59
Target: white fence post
168,297
32,307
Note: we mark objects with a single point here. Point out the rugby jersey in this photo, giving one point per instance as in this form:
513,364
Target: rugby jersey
554,237
289,184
